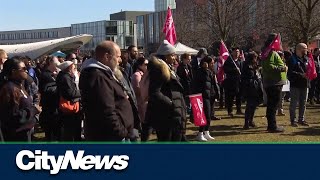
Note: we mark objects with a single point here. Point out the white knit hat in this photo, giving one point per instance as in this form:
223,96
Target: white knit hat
166,48
65,65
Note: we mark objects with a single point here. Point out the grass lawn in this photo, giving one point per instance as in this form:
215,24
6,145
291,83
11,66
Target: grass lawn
230,130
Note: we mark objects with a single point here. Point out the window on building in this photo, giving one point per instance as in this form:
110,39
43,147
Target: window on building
129,40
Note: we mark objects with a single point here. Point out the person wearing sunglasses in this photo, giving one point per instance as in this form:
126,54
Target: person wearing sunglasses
16,107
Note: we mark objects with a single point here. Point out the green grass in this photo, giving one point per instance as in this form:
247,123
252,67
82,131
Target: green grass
230,130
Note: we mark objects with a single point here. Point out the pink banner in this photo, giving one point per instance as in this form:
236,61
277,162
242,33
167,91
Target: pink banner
197,109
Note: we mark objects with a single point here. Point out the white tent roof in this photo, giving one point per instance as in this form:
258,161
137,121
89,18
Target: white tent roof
37,49
181,49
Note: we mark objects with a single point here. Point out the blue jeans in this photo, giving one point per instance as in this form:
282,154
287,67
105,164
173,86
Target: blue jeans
298,95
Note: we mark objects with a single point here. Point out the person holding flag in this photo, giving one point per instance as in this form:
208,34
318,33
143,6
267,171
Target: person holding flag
232,68
274,77
301,71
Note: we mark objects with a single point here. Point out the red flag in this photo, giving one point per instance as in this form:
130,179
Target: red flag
274,46
311,68
169,28
197,109
224,54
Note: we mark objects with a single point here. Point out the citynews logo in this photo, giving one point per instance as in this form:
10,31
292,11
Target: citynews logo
40,160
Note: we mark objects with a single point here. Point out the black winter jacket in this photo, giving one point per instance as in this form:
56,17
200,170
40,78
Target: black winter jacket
108,113
297,69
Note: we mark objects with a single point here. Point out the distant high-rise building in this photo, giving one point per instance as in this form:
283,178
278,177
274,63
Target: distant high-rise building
162,5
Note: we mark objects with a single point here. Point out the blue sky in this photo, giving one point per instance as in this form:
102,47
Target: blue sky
38,14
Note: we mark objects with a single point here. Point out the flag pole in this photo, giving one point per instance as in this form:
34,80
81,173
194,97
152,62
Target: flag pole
234,63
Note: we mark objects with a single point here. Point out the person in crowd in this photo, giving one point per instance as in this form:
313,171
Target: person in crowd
184,71
61,59
299,84
251,81
232,68
31,71
124,79
139,68
3,58
16,107
280,108
133,54
39,67
203,84
314,84
287,57
73,58
215,90
220,83
166,96
108,113
195,63
274,77
127,67
49,117
67,89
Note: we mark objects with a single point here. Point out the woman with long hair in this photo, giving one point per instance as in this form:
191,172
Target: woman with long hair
203,84
139,68
16,107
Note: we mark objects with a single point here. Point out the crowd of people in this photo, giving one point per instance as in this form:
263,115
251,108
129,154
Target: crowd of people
124,96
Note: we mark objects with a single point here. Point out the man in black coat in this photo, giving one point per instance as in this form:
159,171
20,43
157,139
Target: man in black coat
232,68
299,84
195,63
108,113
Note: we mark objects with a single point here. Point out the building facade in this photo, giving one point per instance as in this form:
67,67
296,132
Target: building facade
149,30
162,5
121,32
128,15
36,35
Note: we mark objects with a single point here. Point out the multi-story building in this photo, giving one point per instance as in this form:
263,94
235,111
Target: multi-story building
149,30
162,5
121,32
128,15
35,35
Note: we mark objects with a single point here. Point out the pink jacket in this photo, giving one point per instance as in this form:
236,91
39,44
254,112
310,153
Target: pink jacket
140,85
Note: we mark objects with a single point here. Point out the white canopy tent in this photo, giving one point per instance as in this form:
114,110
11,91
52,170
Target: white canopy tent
37,49
181,49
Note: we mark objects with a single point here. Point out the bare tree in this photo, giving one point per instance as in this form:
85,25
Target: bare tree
299,20
212,20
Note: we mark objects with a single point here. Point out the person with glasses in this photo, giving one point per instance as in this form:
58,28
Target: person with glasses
16,107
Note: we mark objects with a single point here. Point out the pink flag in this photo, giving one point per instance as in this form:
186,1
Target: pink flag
274,46
224,54
197,109
311,68
169,28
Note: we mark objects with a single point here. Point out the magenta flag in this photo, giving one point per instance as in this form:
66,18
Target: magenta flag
311,68
169,28
274,46
223,56
197,109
